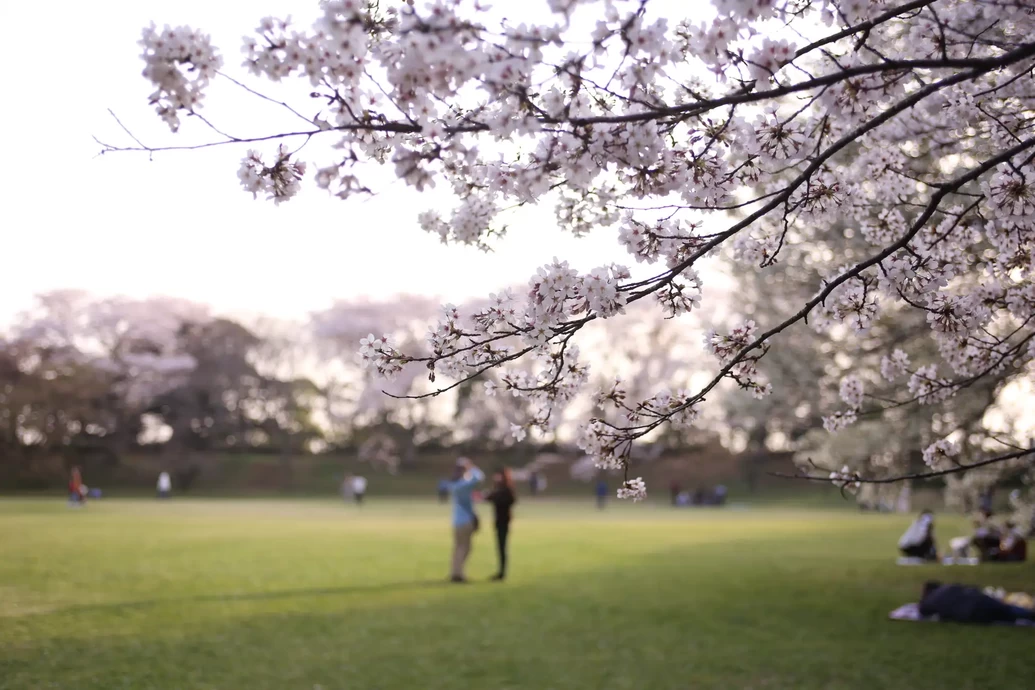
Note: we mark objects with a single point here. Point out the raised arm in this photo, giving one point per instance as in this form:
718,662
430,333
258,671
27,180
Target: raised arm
473,476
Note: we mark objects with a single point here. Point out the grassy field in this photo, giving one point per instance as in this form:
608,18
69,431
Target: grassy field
308,594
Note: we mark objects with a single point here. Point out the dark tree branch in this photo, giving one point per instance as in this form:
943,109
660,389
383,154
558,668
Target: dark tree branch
857,479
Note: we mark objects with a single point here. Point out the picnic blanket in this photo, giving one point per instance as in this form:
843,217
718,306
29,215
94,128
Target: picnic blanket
948,560
911,612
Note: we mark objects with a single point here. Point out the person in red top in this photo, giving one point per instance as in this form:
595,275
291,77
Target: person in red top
76,495
1013,547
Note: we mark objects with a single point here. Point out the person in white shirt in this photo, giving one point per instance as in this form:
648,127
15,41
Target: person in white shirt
164,485
359,488
918,541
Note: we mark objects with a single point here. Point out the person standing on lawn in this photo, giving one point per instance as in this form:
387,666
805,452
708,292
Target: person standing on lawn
359,489
465,522
502,497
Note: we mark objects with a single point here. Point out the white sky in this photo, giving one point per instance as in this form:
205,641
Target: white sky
181,225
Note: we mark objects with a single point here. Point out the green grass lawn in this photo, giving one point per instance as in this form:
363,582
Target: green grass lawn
303,595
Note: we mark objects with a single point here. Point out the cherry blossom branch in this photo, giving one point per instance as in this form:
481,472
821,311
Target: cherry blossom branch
870,128
264,97
857,479
979,65
803,313
944,190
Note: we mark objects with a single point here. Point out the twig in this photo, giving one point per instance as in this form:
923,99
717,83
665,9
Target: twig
265,97
856,479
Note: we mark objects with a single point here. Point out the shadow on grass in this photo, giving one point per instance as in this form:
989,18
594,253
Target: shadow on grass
257,596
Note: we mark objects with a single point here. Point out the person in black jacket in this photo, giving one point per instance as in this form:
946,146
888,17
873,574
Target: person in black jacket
502,498
963,604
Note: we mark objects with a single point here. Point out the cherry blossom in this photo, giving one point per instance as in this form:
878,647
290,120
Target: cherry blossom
180,62
845,479
279,181
839,420
852,392
894,366
634,489
939,453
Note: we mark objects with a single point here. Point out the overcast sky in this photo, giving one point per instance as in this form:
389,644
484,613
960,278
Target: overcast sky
180,224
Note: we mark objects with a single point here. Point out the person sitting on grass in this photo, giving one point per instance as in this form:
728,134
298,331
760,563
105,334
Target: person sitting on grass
987,536
964,604
918,540
465,522
1013,548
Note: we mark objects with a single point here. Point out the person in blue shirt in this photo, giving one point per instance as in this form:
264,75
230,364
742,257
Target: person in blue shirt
465,478
601,493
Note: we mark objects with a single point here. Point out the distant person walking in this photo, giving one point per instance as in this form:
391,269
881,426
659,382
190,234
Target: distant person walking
164,485
601,494
502,497
674,490
533,483
443,490
465,522
359,489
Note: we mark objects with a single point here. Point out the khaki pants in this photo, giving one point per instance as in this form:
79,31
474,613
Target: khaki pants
461,547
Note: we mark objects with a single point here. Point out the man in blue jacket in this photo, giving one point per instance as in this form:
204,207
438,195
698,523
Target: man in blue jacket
465,477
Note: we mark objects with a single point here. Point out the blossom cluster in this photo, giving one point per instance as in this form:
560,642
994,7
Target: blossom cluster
279,181
379,354
730,349
180,62
845,479
940,454
634,489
